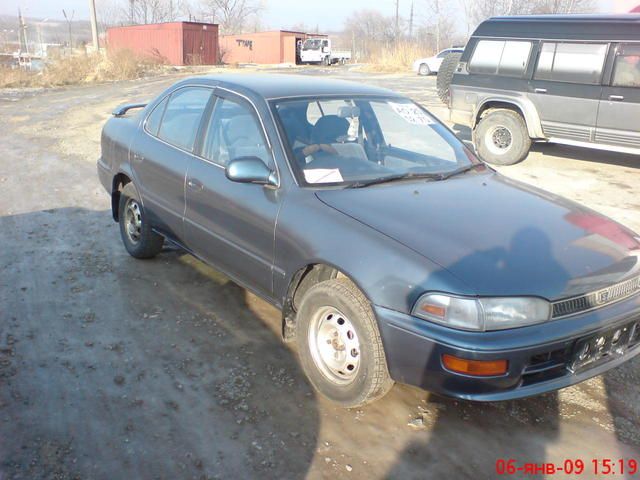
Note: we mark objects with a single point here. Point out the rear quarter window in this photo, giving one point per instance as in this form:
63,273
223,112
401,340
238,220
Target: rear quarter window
500,57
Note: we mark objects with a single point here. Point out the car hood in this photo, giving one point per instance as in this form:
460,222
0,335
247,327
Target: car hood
498,236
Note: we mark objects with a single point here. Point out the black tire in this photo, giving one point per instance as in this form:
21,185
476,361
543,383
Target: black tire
370,380
424,70
138,237
501,137
445,75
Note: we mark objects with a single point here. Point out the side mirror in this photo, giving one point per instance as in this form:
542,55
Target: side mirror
250,170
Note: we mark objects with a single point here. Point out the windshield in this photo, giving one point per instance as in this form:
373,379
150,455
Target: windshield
361,141
311,44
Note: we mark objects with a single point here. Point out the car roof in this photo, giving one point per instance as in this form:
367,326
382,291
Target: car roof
271,86
622,27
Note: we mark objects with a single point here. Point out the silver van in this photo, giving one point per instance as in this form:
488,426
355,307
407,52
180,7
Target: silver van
571,79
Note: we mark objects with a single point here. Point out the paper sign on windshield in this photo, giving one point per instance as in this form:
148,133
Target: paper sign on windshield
322,175
411,113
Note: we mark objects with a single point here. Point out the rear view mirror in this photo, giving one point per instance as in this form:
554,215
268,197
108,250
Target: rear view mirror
250,170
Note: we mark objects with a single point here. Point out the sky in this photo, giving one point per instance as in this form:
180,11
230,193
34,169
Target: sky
328,15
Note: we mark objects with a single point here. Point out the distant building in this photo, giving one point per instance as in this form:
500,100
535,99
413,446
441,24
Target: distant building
174,43
273,47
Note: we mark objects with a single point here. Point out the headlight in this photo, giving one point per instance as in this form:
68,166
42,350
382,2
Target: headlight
482,314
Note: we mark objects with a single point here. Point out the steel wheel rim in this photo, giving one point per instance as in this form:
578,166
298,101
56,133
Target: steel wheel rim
423,69
334,345
133,221
499,140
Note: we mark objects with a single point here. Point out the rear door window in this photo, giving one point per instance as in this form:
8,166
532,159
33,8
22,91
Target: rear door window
626,69
508,58
182,116
571,62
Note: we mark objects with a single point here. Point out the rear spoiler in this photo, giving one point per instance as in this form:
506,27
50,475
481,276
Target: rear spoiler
123,109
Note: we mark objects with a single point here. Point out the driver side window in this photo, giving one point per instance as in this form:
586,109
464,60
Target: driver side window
234,132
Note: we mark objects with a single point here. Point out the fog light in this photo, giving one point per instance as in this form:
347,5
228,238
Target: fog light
476,368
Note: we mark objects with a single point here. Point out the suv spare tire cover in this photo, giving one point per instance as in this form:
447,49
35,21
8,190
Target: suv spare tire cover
445,75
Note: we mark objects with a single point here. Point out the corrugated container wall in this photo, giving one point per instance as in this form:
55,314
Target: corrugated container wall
174,43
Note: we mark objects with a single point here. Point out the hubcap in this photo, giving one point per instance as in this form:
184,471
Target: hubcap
334,345
133,221
499,140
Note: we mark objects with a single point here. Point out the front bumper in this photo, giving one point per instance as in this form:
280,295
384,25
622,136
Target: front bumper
540,357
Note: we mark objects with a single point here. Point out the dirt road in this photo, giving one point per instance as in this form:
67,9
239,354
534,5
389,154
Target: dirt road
113,368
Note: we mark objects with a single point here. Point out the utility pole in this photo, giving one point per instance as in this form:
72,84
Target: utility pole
411,22
22,34
94,25
69,20
397,19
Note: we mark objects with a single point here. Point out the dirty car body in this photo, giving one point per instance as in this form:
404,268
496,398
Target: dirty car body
458,263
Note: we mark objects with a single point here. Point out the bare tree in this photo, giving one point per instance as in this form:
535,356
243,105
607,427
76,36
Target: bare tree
126,12
233,16
369,30
438,25
476,11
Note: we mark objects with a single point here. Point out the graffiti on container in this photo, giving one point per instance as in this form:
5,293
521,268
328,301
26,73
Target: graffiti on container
245,43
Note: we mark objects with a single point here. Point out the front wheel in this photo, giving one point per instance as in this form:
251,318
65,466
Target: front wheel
501,138
137,235
424,70
339,344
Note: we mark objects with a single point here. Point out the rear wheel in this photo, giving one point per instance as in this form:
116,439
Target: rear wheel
339,344
502,138
445,75
424,69
138,237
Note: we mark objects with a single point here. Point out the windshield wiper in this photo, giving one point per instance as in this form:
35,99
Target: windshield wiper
393,178
458,171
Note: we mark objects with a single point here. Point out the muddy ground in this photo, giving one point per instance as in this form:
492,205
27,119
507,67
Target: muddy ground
112,368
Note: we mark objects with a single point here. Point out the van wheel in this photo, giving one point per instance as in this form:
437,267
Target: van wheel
424,69
502,138
339,344
138,237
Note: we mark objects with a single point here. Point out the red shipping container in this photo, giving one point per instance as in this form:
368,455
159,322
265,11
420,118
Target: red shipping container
174,43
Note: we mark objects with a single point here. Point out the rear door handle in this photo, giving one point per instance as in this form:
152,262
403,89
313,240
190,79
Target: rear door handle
137,158
194,184
616,98
540,90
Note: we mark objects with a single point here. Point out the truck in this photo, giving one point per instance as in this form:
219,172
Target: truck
319,50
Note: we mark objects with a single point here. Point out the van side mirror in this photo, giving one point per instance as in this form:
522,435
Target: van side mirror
250,170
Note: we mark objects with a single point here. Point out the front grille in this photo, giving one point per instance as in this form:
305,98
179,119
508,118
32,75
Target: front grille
596,299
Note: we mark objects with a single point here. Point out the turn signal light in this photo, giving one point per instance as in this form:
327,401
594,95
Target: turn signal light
475,368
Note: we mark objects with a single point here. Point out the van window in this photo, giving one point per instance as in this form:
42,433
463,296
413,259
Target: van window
626,69
508,58
182,116
571,62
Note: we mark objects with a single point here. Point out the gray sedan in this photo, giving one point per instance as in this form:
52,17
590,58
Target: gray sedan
393,253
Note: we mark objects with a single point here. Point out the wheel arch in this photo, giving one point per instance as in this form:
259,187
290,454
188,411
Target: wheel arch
300,282
119,181
522,107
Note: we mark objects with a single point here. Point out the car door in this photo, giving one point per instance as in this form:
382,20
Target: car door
566,88
619,112
227,223
160,156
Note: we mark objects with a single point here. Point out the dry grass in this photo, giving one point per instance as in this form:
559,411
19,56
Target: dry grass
94,67
394,58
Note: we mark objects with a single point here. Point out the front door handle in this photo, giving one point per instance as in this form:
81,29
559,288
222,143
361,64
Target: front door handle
540,90
137,158
616,98
194,184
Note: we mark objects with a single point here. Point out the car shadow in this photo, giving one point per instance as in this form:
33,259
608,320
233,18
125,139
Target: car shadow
507,428
586,154
112,367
